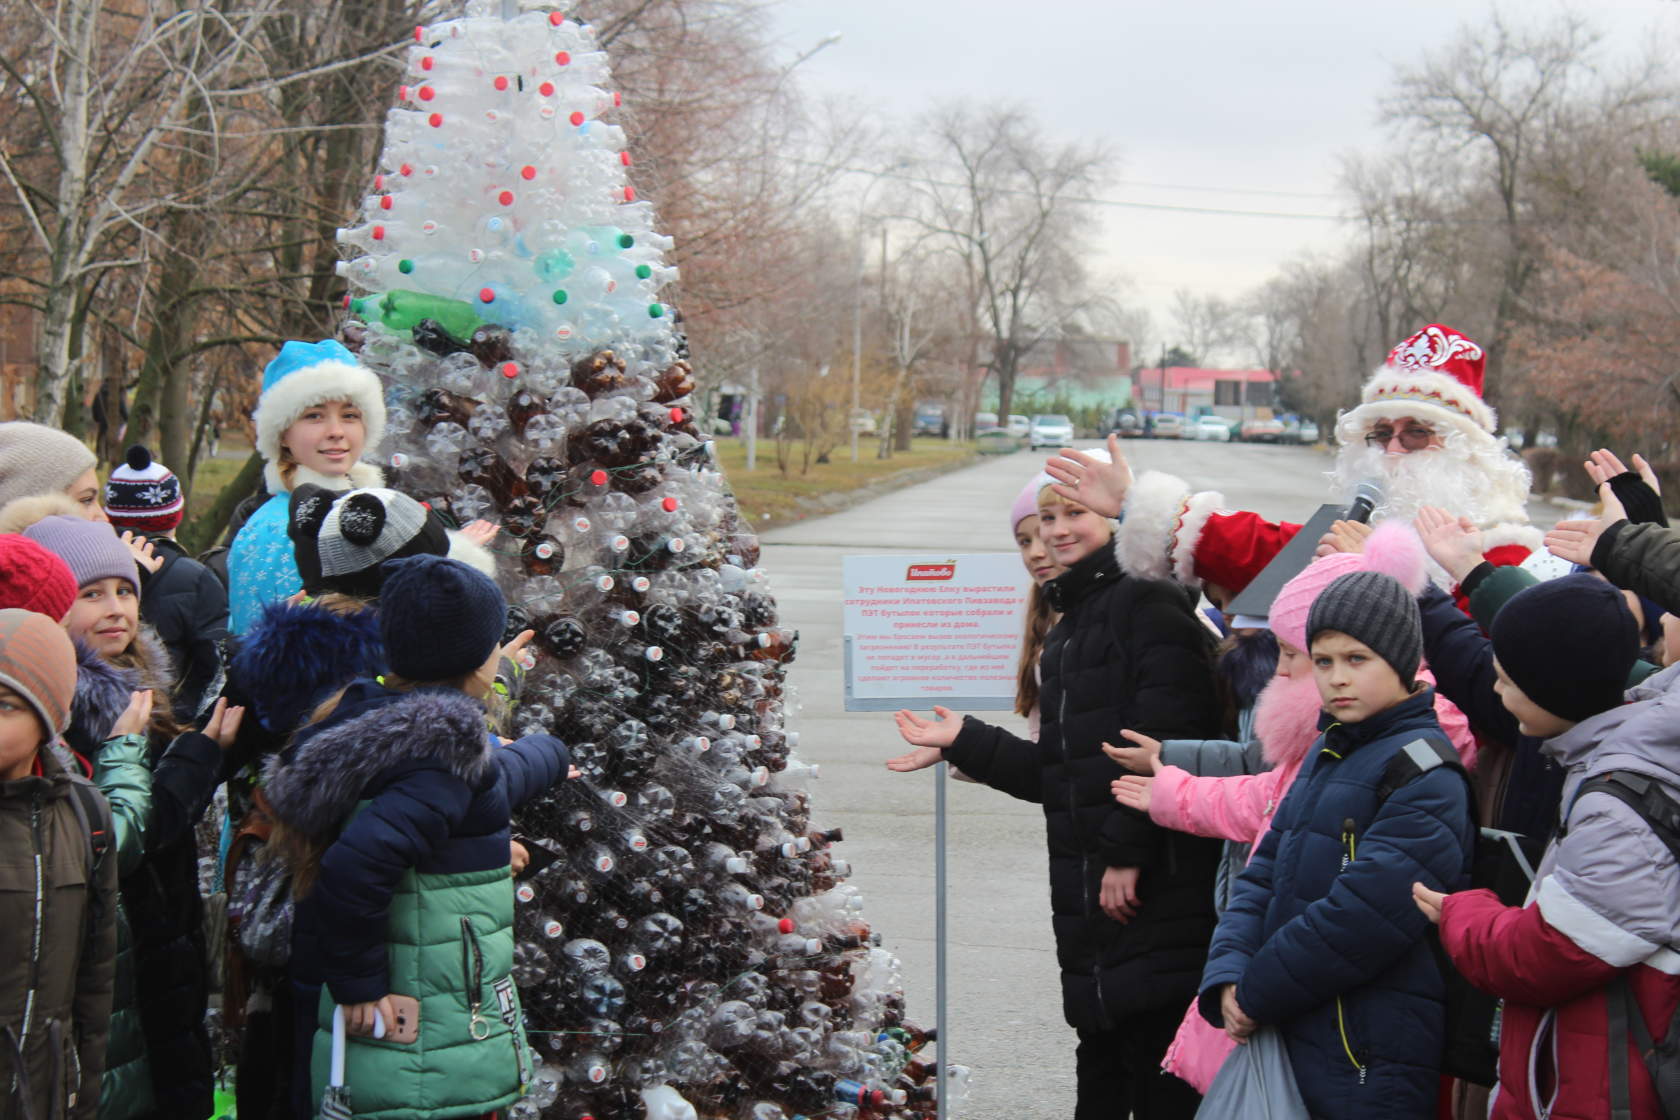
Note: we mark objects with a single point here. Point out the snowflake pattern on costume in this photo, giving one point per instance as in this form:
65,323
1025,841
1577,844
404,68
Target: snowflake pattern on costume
261,567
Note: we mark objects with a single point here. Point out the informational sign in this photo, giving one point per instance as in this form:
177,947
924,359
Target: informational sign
933,630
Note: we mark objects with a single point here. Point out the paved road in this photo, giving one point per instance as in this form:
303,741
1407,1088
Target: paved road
1005,999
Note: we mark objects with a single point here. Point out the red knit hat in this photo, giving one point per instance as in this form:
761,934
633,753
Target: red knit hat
33,578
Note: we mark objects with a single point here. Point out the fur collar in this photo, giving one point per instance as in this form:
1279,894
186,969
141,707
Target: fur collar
296,655
102,689
315,784
361,476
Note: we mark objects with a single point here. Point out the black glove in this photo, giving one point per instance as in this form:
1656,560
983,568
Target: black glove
1643,504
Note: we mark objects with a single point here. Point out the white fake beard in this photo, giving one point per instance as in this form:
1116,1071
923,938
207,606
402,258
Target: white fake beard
1466,476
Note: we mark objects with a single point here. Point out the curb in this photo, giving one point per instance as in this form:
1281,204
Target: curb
834,502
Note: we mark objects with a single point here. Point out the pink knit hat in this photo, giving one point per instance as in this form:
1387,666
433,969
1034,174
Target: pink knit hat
1393,549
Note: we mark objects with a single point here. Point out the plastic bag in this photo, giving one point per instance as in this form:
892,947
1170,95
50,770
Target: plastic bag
1255,1083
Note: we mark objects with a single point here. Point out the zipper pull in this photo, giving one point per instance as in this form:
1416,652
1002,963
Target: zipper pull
1347,842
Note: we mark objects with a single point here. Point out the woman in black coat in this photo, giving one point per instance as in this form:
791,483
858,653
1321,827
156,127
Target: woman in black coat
1131,903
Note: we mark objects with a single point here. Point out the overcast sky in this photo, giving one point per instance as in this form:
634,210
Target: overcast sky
1236,104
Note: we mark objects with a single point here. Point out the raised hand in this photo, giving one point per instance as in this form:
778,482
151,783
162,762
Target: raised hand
1452,542
938,733
136,718
1098,486
1143,757
224,723
480,533
144,554
1132,791
1344,536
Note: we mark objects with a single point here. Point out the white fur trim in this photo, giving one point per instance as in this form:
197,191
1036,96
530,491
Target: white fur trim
1589,929
1509,533
362,476
1404,389
1188,533
474,556
1144,542
1352,425
295,393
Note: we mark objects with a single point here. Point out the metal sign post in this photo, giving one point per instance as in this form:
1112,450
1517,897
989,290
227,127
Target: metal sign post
918,632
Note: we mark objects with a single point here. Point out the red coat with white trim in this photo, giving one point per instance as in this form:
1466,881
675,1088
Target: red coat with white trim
1606,900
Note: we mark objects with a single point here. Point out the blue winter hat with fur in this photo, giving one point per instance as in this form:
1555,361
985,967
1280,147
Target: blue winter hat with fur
306,374
439,619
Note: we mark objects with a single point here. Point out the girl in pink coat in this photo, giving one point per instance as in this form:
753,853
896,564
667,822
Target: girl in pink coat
1239,809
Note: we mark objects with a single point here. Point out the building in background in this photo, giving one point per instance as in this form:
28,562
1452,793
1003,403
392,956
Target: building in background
1234,394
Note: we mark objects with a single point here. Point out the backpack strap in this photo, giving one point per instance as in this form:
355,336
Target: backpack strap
1414,760
1643,795
93,814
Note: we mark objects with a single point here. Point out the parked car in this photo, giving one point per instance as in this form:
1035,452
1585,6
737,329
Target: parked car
929,422
863,422
1049,431
1262,431
1018,425
1212,428
985,422
1308,432
1167,425
1127,424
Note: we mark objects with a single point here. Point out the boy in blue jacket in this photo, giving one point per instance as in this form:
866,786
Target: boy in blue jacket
1317,941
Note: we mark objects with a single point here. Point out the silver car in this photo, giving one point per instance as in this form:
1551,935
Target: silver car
1049,431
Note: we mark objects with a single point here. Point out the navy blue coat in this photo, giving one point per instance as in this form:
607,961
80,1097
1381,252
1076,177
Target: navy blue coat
1333,951
1461,657
440,797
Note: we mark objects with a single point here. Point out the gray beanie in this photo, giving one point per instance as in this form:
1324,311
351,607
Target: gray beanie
1376,609
35,459
91,549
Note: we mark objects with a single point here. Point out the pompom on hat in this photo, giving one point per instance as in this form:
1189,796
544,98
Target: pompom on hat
1435,376
143,494
306,374
1393,549
33,578
341,539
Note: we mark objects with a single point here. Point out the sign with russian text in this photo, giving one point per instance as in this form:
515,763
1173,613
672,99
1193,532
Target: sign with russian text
921,631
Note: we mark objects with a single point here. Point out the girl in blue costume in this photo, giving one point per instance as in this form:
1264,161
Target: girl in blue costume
319,410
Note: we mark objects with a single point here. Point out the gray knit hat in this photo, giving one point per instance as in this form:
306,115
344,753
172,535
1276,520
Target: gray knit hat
340,538
35,459
1376,609
91,549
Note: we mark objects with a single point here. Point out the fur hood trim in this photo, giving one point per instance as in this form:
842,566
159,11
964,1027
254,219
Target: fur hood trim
103,689
1147,542
302,389
20,513
296,655
474,556
315,788
362,476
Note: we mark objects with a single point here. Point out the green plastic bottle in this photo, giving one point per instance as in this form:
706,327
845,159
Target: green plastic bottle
400,310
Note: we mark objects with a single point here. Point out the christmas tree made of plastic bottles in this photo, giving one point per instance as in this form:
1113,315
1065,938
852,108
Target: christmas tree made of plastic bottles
685,938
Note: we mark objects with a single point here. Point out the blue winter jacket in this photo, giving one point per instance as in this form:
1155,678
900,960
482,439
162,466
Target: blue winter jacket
1322,938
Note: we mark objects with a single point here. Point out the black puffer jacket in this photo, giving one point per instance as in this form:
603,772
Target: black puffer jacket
1127,653
188,608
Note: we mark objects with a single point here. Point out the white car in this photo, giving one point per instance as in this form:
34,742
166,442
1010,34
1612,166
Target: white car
1018,425
1049,431
1211,428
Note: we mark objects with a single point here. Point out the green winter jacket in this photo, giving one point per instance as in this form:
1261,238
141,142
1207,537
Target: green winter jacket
1643,558
464,1064
121,772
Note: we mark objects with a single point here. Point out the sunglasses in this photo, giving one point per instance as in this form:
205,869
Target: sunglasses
1413,437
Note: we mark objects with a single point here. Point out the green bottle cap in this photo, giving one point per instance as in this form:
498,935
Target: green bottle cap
625,241
643,271
655,310
560,295
405,266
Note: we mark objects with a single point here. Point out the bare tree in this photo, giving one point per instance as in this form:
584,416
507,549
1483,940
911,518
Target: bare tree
1013,206
1207,326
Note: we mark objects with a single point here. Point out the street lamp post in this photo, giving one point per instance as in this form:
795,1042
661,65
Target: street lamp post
857,308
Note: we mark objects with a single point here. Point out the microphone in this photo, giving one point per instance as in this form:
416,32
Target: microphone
1366,497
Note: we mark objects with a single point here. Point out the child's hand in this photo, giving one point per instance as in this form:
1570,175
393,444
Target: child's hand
480,533
224,723
1452,542
1237,1023
518,857
359,1017
1574,541
919,759
938,733
1119,896
136,718
1132,791
573,773
1603,465
515,652
1144,758
1098,486
1428,901
144,554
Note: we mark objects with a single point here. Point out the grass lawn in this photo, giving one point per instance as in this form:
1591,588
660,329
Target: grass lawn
764,490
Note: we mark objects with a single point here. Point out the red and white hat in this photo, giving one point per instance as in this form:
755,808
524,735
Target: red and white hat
1434,376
